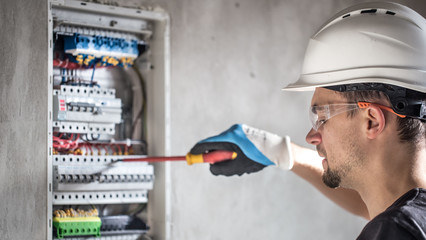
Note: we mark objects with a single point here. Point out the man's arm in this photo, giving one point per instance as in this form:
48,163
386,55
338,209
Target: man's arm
257,149
307,165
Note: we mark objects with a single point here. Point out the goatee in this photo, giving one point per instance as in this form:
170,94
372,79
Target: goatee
331,178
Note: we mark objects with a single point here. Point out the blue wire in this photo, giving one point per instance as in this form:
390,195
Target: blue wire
93,74
63,76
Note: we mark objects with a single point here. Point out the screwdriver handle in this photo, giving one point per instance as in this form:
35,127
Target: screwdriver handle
211,157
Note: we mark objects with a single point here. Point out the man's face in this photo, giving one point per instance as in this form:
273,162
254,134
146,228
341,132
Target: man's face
336,141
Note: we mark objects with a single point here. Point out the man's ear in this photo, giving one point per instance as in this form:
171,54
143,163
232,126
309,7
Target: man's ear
376,121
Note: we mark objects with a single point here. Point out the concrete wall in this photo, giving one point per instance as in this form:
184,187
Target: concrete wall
23,119
229,61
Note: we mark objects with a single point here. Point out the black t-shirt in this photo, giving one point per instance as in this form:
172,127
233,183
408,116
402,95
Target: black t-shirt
404,219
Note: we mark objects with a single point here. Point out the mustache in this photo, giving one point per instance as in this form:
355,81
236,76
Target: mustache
321,152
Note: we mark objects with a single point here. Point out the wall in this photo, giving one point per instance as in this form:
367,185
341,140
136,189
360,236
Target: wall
229,62
23,119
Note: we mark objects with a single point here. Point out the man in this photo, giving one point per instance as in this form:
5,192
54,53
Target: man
368,112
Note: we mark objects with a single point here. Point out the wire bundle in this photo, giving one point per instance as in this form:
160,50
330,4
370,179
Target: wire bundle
64,143
70,212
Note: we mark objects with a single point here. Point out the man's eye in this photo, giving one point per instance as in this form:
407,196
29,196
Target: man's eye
321,121
321,117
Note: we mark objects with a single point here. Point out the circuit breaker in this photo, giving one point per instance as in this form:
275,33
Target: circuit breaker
108,102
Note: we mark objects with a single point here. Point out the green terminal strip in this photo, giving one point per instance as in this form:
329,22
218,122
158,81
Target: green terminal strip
77,226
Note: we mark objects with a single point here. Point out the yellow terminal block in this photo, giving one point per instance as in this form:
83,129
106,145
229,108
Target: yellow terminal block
113,61
79,59
88,59
78,152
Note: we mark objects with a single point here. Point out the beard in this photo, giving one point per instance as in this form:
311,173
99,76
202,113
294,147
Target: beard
331,178
345,165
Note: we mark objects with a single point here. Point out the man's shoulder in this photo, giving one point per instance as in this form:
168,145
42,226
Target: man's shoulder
405,219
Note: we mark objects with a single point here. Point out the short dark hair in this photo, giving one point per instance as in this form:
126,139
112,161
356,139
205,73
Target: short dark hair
410,130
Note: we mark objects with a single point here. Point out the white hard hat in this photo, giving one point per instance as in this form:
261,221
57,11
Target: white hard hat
376,42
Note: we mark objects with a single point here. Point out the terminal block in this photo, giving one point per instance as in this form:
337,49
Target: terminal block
77,226
70,222
101,50
122,224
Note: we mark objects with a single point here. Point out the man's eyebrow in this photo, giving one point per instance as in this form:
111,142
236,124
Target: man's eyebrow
313,108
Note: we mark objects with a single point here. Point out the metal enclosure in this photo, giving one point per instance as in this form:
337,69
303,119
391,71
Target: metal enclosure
108,100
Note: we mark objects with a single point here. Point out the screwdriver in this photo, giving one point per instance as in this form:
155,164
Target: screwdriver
210,157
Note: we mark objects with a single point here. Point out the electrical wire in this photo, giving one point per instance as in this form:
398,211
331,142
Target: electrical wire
138,210
142,112
63,76
106,149
61,142
95,138
93,74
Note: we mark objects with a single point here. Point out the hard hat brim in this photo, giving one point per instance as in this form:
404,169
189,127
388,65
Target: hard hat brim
406,78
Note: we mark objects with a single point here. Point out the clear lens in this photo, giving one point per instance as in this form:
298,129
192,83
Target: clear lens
320,114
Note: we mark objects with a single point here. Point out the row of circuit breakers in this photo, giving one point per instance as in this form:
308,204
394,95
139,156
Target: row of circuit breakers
85,110
88,175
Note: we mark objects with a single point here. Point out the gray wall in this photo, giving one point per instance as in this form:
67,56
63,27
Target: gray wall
23,119
229,61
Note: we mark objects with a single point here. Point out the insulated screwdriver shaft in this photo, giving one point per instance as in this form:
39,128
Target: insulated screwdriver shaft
155,159
211,157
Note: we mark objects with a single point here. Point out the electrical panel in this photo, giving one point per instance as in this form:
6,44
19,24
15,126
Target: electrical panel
108,104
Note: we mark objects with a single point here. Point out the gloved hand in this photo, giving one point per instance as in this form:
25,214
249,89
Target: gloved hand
255,150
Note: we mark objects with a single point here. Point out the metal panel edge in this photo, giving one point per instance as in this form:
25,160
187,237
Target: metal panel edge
167,132
49,120
118,11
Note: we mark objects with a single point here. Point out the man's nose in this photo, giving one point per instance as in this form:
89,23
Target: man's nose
313,137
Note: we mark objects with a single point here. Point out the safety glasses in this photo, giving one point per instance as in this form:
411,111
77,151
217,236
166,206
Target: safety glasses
320,114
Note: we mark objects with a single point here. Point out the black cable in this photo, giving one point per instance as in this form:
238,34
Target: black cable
97,137
140,209
142,113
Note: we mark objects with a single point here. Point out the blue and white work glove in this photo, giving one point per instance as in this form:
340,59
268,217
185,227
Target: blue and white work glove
255,150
